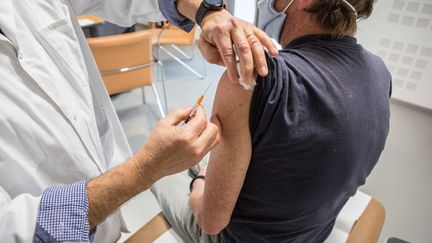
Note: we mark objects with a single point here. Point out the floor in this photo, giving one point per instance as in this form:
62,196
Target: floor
402,180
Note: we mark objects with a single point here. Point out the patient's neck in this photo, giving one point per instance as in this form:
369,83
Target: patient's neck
299,26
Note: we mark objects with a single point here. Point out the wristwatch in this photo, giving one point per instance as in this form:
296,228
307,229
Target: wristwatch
207,6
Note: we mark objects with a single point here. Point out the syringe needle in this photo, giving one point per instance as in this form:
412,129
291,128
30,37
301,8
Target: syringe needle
198,103
208,87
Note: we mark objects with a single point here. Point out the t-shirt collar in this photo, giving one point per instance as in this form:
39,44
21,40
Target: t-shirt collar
349,40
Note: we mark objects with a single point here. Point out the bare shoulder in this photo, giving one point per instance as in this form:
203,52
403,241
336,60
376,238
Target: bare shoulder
231,104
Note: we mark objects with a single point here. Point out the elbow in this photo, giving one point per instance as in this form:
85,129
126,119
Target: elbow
212,227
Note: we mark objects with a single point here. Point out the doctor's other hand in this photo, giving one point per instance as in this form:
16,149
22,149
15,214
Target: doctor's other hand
220,30
171,148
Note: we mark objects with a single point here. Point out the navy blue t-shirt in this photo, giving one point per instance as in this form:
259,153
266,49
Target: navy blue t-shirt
319,122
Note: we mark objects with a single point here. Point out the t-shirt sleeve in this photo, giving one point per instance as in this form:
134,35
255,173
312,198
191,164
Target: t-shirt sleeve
271,95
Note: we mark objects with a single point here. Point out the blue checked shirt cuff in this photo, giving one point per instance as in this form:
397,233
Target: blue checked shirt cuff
63,215
169,11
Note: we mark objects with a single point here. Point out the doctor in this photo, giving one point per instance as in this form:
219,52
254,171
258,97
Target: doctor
65,164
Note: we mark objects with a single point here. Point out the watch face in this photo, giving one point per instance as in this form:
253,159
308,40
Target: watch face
214,3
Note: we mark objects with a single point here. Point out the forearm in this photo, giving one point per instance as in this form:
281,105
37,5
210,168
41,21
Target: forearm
109,191
169,149
229,161
188,8
195,199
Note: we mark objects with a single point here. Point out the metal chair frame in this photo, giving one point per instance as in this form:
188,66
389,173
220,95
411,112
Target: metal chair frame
142,66
180,61
160,47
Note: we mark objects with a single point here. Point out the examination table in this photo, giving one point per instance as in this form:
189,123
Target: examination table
360,221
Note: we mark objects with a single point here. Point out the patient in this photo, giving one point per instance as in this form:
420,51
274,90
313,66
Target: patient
296,147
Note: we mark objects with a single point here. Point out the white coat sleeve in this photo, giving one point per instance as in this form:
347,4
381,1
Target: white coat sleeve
121,12
18,217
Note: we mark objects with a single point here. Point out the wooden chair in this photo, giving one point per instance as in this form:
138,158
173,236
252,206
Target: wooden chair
126,62
366,229
151,231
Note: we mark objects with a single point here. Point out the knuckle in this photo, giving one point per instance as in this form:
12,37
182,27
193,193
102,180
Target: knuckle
243,48
234,21
203,123
228,53
219,29
188,138
194,151
216,128
185,139
197,152
253,41
217,139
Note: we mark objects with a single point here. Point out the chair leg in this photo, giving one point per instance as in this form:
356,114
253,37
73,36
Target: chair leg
181,52
193,50
159,104
175,47
160,73
143,95
162,79
182,63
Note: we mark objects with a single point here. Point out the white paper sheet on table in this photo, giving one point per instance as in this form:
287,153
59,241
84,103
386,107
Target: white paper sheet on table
85,22
337,236
169,237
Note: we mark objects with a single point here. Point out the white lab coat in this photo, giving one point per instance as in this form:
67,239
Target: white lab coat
57,123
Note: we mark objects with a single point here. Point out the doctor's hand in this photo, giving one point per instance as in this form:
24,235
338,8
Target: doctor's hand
220,31
171,148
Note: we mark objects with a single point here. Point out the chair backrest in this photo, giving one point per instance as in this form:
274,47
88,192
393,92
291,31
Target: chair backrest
173,35
125,61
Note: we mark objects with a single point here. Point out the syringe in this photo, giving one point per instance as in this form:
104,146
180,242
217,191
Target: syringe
195,107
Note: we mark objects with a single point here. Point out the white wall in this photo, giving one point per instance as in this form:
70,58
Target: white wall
245,9
400,32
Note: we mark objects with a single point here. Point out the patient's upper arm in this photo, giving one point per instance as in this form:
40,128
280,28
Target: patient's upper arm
231,106
229,160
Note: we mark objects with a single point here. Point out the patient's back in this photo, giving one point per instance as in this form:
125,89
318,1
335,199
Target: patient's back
318,123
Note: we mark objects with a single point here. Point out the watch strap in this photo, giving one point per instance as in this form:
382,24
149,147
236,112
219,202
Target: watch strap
193,180
203,10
